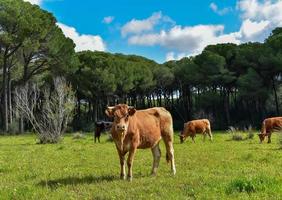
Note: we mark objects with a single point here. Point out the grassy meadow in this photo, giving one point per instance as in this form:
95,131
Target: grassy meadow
80,169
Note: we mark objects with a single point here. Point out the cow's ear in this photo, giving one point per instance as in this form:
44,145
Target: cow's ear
110,111
131,111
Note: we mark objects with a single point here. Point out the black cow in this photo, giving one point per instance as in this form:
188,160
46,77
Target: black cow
101,126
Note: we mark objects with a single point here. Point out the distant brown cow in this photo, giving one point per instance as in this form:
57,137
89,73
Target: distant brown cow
191,128
268,126
139,129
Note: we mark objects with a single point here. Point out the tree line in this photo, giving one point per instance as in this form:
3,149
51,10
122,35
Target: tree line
227,83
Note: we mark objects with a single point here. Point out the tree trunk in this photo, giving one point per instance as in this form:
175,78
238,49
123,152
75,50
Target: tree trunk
276,97
226,107
78,109
190,103
10,98
95,111
21,124
154,101
5,96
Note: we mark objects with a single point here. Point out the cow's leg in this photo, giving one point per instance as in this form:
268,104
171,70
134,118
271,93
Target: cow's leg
193,138
210,134
205,135
156,156
269,137
170,153
96,132
130,163
99,138
122,164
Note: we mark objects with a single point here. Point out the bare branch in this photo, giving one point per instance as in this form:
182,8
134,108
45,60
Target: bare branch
48,111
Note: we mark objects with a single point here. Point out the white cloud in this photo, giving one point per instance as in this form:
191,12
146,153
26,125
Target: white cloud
108,19
175,56
261,10
136,26
259,18
82,41
37,2
213,6
253,31
215,9
189,39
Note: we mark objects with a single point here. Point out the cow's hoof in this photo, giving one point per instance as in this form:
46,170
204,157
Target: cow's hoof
153,174
129,178
122,177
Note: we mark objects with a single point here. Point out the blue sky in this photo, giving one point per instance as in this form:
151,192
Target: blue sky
163,29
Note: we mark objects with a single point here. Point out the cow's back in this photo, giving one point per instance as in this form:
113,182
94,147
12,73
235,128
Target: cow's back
156,117
150,124
197,126
271,124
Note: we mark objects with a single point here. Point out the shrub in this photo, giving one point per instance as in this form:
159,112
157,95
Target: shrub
78,135
235,133
237,137
250,132
48,110
241,185
250,185
14,127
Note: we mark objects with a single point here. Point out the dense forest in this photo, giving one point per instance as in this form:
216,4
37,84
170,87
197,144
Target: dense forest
229,84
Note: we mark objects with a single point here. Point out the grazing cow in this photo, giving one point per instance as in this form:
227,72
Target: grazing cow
268,126
101,126
140,129
191,128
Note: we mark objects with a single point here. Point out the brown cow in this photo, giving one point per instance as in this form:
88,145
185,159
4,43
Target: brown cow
191,128
139,129
268,126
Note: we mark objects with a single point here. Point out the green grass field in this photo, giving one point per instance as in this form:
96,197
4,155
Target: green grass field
80,169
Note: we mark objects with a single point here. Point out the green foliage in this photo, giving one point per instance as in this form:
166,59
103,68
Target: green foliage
250,185
280,140
14,127
255,89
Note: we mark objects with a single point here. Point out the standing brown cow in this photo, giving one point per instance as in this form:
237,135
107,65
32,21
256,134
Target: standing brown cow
268,126
191,128
139,129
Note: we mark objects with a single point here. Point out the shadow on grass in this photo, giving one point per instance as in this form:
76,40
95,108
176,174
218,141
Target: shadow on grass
24,144
75,181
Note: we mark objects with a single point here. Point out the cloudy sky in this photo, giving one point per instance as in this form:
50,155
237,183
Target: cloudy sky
163,29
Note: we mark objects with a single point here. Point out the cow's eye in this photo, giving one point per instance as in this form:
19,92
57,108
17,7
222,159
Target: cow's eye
117,119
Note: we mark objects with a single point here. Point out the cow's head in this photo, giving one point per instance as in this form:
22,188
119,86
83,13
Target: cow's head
261,136
182,137
121,114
